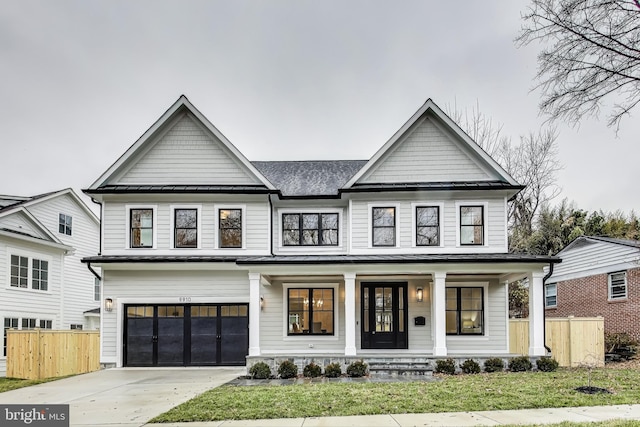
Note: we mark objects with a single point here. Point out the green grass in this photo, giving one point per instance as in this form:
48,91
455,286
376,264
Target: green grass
7,384
610,423
497,391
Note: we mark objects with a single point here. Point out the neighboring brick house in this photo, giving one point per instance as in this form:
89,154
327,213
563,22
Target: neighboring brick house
598,276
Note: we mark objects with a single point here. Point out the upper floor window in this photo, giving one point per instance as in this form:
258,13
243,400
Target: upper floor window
230,228
310,229
618,285
383,226
471,225
186,228
427,226
40,275
96,289
64,224
19,271
20,277
141,228
551,295
310,311
465,311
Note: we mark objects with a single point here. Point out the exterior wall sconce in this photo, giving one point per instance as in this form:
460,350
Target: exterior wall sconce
419,294
261,302
108,304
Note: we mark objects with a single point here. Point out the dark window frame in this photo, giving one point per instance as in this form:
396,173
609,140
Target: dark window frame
176,229
9,323
311,311
132,229
459,311
220,228
473,226
320,230
65,224
437,226
392,227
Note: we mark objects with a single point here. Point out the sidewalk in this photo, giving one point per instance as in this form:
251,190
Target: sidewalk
480,418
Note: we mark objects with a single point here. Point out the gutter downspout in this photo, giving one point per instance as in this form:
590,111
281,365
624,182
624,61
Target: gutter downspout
271,227
544,313
93,271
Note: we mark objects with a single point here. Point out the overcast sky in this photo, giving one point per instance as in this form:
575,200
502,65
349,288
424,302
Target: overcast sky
283,80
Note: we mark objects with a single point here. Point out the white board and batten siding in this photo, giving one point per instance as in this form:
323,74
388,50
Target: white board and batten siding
164,287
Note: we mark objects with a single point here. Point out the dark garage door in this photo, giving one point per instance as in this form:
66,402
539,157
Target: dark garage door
186,335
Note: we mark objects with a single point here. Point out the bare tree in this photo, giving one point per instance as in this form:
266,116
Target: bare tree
481,128
591,52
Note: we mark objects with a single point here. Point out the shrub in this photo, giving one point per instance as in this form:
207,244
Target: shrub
494,364
287,369
470,366
447,366
357,369
547,364
333,370
260,371
520,364
312,370
614,341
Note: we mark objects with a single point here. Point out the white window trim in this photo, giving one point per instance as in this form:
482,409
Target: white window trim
172,220
545,295
216,234
370,207
127,230
485,310
609,286
31,256
70,227
341,229
307,337
485,231
414,234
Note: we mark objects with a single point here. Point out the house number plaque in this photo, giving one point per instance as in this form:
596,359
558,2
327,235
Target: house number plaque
184,299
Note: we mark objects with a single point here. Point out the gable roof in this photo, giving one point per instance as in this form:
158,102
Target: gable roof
182,105
25,202
429,108
581,240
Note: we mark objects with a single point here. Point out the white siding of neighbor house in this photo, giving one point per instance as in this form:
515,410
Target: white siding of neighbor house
78,281
116,233
187,154
166,287
18,221
594,257
426,154
495,228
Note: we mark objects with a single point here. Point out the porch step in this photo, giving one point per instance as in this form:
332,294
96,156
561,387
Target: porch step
395,369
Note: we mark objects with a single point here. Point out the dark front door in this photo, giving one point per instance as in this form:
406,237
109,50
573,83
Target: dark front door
186,335
384,315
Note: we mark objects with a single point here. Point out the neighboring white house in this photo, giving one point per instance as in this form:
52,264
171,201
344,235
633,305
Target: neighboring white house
210,259
43,281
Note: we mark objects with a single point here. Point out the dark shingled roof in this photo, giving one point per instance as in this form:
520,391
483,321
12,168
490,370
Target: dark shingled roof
10,202
309,178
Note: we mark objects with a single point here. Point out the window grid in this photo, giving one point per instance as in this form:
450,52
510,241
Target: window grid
40,275
472,225
551,295
141,221
310,311
45,324
75,326
19,271
427,226
310,229
230,228
96,289
64,224
28,323
186,228
9,323
618,285
383,224
465,311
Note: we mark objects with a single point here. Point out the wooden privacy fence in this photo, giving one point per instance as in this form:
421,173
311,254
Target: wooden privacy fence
40,353
574,341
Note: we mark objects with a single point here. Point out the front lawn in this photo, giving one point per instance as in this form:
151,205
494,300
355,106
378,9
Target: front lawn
482,392
7,384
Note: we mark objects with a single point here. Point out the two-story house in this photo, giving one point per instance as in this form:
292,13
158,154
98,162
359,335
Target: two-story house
210,259
43,283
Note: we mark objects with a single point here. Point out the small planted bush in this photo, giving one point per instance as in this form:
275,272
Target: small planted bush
494,364
333,370
547,364
446,366
520,364
312,370
357,369
260,371
287,369
470,366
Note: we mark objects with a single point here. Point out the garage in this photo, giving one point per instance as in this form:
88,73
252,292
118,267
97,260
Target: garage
186,335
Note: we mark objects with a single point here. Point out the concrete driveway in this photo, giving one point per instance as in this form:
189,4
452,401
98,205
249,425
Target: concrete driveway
123,397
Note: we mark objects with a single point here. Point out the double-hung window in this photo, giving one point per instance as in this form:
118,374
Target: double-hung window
427,226
20,277
19,271
465,311
551,295
40,274
64,224
311,311
471,225
230,228
186,228
310,229
618,285
141,228
96,289
383,226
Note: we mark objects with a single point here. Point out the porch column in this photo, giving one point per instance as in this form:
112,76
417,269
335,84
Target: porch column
254,314
536,314
349,314
439,319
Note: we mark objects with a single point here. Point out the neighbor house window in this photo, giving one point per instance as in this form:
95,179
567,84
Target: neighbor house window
9,323
230,224
96,289
141,228
618,285
465,311
28,323
40,274
76,326
471,225
310,229
186,228
64,224
45,324
310,311
383,226
551,295
19,271
427,226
